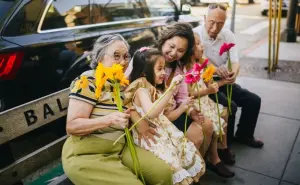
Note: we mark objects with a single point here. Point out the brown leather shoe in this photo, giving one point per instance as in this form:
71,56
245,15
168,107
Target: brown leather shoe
226,156
220,169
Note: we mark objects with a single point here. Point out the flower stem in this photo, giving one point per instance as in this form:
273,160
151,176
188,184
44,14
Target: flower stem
185,124
185,128
229,98
229,86
155,104
130,144
199,101
219,119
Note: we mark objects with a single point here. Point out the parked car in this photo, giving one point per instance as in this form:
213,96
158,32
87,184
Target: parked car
264,6
43,43
195,2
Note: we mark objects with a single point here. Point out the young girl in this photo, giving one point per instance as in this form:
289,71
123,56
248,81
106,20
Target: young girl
208,108
147,85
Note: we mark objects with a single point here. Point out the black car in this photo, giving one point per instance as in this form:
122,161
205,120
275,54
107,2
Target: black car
43,43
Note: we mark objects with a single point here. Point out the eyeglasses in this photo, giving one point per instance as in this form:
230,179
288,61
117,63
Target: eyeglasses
118,57
214,6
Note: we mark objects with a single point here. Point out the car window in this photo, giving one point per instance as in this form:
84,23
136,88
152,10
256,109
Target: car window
26,19
5,7
67,13
116,10
159,8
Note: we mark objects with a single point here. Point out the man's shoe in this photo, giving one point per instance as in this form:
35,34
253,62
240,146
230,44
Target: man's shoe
252,142
220,169
226,156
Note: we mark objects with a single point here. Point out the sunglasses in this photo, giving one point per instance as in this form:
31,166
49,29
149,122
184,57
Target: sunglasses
214,6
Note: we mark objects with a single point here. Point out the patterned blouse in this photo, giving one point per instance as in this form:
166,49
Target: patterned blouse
83,89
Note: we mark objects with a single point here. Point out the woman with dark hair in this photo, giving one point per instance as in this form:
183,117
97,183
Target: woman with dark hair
94,123
176,43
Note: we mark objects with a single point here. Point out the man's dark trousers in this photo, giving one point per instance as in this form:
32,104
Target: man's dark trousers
250,104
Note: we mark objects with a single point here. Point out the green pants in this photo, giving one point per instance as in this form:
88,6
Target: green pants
95,161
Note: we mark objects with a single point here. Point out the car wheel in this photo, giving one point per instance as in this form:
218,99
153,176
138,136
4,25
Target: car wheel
264,12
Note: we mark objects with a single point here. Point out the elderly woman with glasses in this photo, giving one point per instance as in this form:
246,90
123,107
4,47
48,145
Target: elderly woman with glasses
93,124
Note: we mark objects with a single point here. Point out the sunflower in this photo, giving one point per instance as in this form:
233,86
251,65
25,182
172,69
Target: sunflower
208,73
100,79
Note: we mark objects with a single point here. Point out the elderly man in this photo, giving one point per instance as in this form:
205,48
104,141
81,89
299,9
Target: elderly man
213,36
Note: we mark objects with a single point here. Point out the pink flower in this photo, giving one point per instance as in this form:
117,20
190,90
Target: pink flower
226,47
144,49
198,67
192,76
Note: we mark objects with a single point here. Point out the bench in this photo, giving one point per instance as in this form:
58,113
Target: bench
24,120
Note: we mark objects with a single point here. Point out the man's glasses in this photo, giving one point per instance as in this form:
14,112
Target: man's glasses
214,6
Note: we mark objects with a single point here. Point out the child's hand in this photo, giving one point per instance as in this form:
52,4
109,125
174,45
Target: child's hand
176,81
213,88
187,103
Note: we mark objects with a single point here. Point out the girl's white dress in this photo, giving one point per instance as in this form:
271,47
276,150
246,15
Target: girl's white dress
170,144
209,109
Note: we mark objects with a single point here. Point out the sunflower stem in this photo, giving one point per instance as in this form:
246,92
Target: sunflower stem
130,144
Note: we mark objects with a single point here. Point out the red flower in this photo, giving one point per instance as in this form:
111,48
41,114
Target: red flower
226,47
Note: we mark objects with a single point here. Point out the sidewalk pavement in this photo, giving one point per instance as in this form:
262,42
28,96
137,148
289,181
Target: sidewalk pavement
278,162
255,59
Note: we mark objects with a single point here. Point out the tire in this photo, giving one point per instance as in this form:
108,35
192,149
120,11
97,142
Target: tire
264,12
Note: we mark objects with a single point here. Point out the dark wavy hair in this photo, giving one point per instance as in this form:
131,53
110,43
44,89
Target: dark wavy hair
143,66
179,29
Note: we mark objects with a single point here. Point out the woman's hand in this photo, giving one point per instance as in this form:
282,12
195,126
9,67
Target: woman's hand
119,118
213,88
147,132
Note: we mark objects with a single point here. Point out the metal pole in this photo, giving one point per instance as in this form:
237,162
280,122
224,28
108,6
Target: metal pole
270,36
278,36
233,16
290,34
274,14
